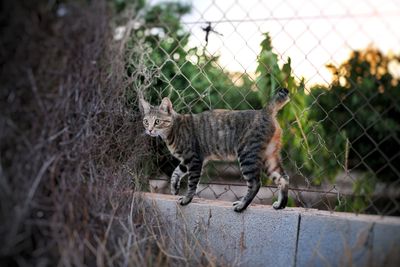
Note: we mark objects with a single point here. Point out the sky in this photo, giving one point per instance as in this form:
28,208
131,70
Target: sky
311,33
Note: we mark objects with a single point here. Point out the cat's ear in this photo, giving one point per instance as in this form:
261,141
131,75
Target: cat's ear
166,106
144,106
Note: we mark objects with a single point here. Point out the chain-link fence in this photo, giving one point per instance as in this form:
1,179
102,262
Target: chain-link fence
340,62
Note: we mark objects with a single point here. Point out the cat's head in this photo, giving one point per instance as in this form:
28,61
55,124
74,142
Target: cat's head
158,120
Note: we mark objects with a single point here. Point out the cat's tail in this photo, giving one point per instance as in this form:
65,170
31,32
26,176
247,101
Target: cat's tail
279,100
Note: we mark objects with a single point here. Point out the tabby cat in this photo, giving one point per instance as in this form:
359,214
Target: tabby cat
250,136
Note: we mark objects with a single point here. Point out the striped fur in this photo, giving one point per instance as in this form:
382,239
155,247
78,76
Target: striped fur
250,136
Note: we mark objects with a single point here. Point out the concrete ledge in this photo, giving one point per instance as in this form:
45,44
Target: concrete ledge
262,236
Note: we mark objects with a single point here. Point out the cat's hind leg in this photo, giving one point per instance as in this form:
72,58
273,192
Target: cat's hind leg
276,172
249,165
176,177
194,165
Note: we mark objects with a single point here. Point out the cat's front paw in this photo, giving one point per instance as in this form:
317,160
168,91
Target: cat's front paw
184,200
239,206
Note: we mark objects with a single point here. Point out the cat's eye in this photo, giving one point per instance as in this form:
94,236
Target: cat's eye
146,122
157,122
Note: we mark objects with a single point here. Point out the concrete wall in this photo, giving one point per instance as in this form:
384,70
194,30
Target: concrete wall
262,236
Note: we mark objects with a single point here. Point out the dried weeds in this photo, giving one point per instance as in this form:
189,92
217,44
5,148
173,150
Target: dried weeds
70,146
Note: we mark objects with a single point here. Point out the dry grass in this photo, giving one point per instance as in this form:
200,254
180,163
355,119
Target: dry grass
70,146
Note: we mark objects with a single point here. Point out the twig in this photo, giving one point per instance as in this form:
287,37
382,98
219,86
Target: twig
34,88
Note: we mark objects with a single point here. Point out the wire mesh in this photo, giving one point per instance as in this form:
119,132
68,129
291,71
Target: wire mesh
339,61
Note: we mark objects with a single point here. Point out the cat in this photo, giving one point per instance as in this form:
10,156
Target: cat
253,137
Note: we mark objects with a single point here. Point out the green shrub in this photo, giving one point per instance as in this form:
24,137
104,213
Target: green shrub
361,103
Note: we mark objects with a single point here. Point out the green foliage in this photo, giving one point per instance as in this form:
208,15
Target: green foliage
120,5
270,77
362,102
363,189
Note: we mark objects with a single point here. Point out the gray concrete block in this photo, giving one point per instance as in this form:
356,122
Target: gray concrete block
260,236
335,239
218,227
269,236
386,243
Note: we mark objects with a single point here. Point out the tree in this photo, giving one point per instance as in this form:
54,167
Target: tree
362,104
